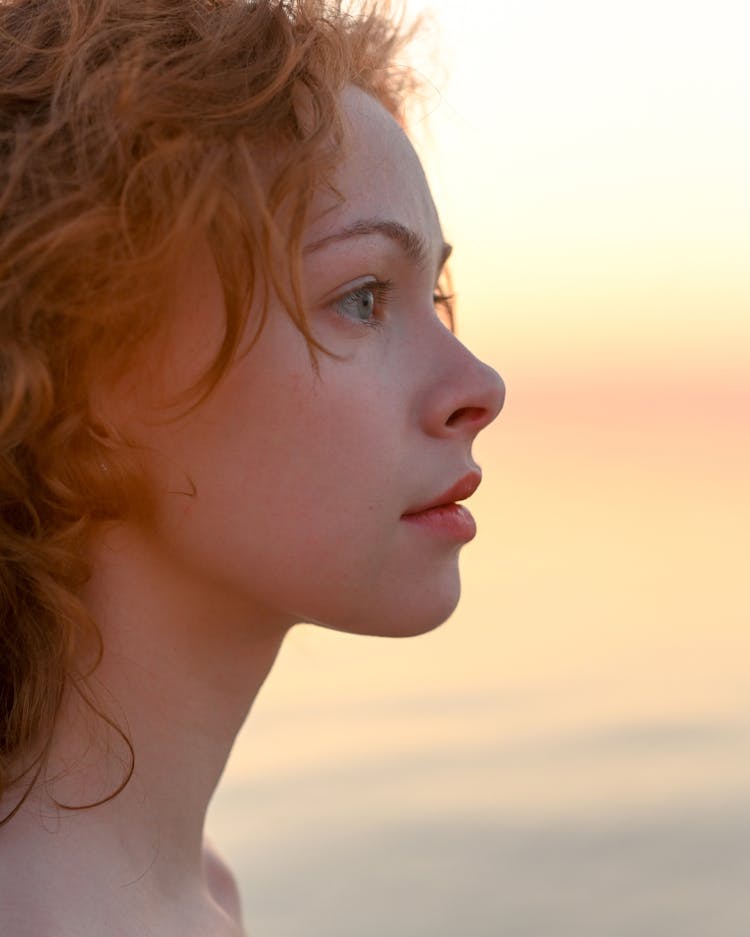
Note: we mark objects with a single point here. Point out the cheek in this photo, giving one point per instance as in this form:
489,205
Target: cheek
322,468
336,547
293,486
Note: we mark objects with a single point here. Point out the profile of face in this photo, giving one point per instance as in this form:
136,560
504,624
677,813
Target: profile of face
290,496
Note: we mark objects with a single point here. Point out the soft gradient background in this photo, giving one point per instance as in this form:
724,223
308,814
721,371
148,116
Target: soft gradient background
570,754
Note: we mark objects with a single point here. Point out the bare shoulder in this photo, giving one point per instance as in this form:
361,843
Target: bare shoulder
221,882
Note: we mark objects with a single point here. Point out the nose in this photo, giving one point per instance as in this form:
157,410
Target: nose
466,398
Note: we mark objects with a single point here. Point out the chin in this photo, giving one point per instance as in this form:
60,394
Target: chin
418,613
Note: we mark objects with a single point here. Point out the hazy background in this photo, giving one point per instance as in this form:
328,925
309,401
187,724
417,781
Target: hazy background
570,753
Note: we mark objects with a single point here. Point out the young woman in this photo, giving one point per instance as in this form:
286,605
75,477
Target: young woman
230,403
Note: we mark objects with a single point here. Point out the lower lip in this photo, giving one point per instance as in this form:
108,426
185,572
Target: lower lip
452,521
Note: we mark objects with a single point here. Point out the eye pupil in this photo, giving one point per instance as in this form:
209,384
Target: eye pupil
360,304
367,300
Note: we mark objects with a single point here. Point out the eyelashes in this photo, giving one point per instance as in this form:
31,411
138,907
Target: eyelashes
444,306
367,304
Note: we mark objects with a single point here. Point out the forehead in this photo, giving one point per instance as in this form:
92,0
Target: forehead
379,177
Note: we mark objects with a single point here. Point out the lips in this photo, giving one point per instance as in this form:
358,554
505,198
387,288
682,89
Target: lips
464,488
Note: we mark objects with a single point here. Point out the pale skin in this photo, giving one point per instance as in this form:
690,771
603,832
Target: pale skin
301,486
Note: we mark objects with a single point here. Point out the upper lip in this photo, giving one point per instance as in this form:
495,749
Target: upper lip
463,488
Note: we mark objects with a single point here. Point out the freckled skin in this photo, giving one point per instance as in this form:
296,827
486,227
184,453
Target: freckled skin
302,479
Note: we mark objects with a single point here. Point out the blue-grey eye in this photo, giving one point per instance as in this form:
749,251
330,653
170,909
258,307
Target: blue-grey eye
359,304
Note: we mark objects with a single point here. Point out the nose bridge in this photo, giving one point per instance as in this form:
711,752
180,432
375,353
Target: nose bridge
469,394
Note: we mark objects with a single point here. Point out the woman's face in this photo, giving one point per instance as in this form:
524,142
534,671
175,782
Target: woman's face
302,482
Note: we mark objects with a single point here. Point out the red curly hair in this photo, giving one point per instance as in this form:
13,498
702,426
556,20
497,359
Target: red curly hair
126,127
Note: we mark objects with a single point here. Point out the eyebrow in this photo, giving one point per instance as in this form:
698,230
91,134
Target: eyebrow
412,244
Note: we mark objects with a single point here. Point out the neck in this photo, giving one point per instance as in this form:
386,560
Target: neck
178,675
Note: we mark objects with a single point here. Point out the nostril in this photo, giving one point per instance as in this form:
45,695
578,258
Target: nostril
466,415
